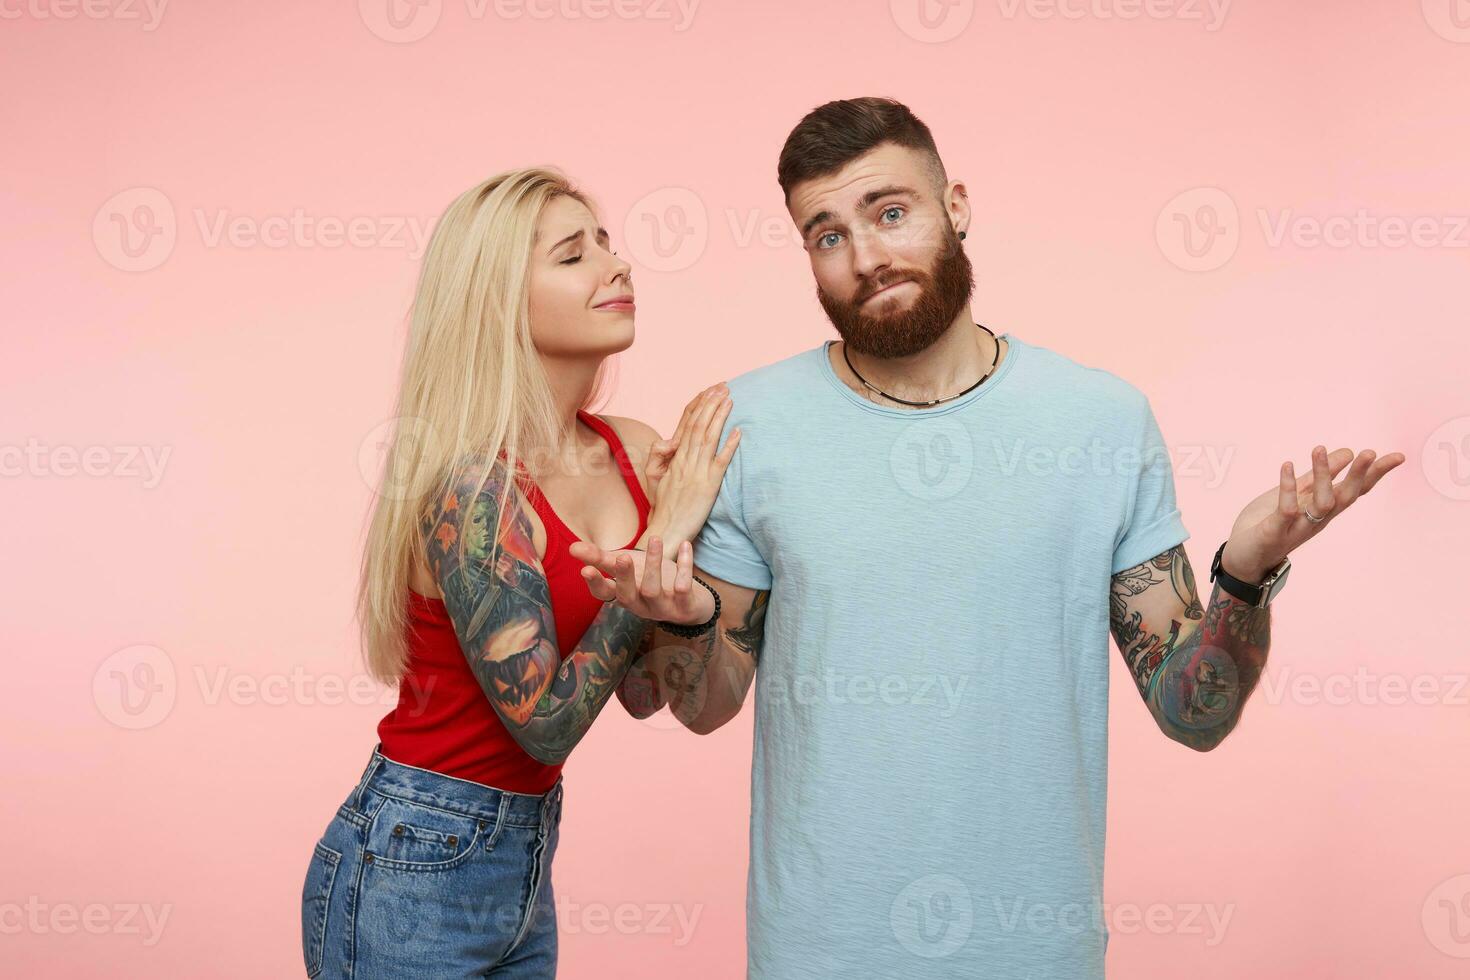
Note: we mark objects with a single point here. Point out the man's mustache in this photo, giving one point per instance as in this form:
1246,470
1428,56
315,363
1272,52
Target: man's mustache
878,285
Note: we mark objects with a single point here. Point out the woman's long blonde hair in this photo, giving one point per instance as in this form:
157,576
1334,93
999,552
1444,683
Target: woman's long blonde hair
471,385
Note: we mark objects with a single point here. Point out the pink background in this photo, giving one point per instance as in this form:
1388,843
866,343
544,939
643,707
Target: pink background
1330,828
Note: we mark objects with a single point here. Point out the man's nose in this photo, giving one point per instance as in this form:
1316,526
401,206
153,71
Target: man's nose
869,256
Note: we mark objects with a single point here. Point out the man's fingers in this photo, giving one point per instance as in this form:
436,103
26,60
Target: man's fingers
1286,502
1379,468
1351,486
1336,460
1322,498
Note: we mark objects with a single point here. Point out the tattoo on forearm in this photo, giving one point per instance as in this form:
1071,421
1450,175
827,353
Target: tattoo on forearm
1144,651
750,634
679,670
684,671
640,690
1196,679
496,593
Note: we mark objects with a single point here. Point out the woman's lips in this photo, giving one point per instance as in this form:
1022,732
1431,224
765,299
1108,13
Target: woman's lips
620,304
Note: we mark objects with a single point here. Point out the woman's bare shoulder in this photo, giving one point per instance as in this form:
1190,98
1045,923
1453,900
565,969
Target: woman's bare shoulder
637,437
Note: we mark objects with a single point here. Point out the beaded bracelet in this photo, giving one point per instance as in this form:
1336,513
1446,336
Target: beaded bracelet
687,630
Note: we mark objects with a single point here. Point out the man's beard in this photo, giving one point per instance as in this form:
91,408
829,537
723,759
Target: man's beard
943,292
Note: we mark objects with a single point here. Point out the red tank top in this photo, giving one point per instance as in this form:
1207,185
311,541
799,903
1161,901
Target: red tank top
443,721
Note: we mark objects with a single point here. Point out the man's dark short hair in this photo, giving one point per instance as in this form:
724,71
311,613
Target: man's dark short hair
832,135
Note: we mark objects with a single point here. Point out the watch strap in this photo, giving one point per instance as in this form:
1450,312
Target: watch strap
1239,588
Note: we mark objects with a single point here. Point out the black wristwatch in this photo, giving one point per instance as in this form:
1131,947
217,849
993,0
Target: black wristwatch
1259,596
685,629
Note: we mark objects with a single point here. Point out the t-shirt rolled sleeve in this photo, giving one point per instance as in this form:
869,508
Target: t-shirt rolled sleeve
1153,523
724,547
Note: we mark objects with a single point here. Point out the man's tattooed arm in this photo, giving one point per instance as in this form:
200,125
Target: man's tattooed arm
1194,665
640,691
497,597
705,679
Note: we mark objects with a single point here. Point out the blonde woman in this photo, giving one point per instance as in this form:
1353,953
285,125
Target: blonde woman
438,862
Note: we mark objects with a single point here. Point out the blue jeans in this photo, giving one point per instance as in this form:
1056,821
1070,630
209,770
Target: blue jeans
424,875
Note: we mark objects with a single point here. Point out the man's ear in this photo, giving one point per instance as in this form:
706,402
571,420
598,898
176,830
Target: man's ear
957,205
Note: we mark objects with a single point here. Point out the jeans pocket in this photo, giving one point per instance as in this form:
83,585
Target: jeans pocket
316,896
408,836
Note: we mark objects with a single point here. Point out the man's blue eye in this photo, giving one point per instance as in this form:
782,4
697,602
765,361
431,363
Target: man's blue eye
823,238
893,208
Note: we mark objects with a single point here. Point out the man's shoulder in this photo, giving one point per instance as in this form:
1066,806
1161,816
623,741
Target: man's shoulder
774,386
1089,387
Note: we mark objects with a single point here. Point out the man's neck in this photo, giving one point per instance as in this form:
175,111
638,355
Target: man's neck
954,362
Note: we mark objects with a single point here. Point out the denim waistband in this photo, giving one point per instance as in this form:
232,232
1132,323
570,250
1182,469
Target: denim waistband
435,789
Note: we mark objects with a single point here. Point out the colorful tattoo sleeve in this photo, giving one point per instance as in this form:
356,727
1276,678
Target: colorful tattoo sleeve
1194,665
496,593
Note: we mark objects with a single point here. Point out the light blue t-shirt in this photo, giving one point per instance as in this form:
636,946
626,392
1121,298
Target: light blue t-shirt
928,794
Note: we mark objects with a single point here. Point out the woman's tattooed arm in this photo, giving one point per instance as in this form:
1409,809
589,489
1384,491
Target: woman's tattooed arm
499,602
1194,665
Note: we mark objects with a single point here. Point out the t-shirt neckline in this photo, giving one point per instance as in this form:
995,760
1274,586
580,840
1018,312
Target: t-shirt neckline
991,383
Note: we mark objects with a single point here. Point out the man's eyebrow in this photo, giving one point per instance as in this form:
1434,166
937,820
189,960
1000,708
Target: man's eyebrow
872,197
864,202
813,221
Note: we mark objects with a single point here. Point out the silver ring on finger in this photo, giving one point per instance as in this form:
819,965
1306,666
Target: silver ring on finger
1312,517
